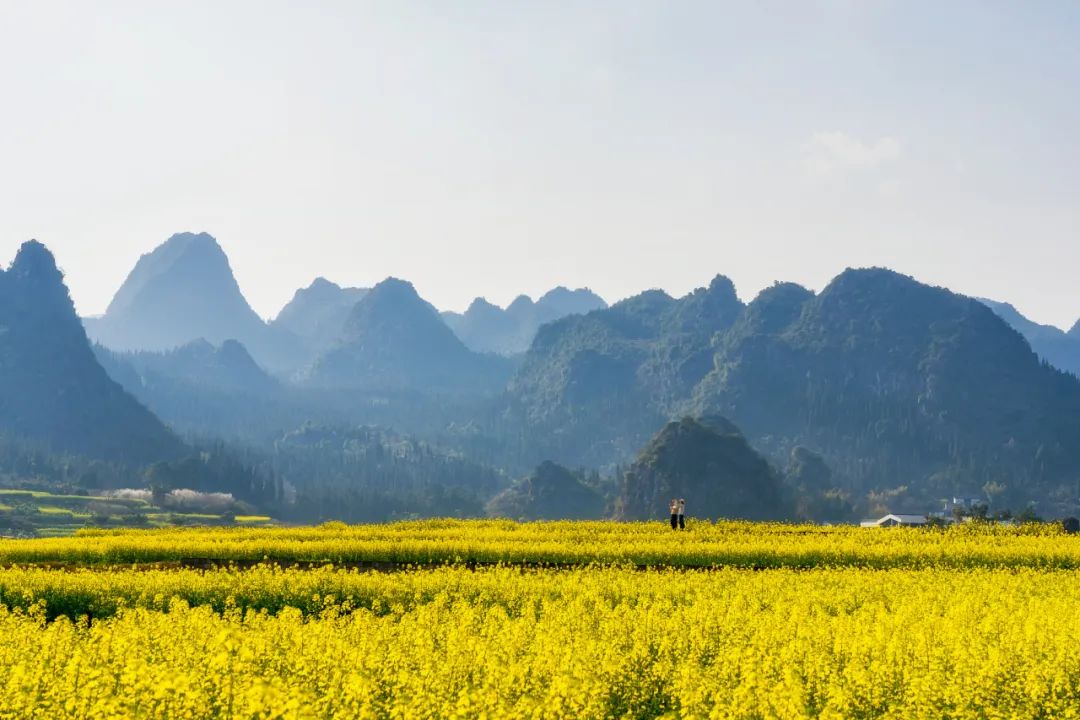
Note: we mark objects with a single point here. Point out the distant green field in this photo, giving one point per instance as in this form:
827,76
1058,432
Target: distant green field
54,515
37,494
71,502
53,510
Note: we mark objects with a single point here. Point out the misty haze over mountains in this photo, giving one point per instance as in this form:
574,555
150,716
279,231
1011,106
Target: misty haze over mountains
185,290
1059,348
182,291
488,328
885,387
316,314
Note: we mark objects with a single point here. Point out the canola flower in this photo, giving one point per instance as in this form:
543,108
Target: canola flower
805,622
583,643
705,544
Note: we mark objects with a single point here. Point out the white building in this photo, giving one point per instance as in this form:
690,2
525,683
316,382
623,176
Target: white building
892,520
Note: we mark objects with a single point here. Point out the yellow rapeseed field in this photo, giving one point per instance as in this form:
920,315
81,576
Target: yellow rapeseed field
972,623
730,544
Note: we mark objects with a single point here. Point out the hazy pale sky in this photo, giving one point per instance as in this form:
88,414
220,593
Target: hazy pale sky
499,147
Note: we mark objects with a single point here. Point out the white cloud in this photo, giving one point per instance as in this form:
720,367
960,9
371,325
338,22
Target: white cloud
828,152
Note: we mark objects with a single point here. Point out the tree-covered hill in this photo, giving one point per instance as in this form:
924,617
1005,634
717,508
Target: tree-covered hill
901,390
206,391
708,463
899,383
593,387
894,382
551,492
228,366
52,389
370,474
393,340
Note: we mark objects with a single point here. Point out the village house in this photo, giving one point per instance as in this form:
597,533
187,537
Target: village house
892,520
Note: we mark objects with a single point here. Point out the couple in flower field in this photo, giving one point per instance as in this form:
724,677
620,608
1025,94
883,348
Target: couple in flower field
677,506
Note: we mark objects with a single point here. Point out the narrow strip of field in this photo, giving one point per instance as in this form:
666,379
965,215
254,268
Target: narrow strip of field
99,593
564,544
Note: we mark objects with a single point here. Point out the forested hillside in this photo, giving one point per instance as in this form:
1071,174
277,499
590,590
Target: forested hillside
551,492
896,383
593,387
708,461
897,393
369,474
393,340
53,392
899,383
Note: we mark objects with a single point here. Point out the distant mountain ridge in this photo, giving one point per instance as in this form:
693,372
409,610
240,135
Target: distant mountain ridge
898,383
485,327
623,368
204,390
394,340
892,381
317,314
52,389
185,290
199,363
1059,348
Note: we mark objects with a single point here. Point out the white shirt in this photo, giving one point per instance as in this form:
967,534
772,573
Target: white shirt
682,508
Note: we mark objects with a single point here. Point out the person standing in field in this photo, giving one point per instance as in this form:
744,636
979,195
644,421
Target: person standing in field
673,508
681,507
